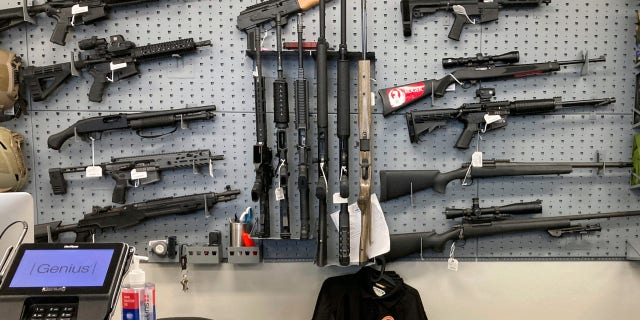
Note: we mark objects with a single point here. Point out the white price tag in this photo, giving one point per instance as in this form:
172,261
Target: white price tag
77,9
135,175
93,172
116,66
451,87
452,264
337,199
491,118
476,159
279,194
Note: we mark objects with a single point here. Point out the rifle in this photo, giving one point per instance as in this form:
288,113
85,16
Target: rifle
485,11
410,243
68,14
302,123
344,130
94,127
139,170
323,139
109,62
398,183
487,115
266,12
397,98
132,214
281,119
364,128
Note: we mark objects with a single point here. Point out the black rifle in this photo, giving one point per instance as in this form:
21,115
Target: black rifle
148,167
397,98
68,13
398,183
281,118
132,214
304,149
110,61
475,214
323,139
463,10
410,243
94,127
266,12
344,130
487,115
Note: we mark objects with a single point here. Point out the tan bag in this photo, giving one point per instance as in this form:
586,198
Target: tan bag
9,86
13,173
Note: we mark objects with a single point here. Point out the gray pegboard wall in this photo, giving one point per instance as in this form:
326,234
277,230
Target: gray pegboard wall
221,75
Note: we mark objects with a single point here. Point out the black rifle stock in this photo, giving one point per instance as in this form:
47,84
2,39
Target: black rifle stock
406,244
120,169
398,183
304,150
67,13
323,139
130,215
400,97
343,132
95,126
110,61
463,10
474,115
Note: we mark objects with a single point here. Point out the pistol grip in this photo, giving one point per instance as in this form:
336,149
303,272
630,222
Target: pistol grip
98,87
120,192
466,136
456,28
60,31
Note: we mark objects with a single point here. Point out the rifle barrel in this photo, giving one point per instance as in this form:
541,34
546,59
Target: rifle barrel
568,62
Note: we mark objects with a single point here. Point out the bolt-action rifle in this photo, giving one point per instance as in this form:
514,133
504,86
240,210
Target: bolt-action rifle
487,115
139,170
406,244
482,10
94,127
110,61
68,14
397,98
111,217
398,183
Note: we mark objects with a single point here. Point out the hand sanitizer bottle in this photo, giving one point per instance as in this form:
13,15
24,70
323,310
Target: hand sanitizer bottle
138,296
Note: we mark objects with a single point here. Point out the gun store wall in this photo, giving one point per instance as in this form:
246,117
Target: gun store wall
279,155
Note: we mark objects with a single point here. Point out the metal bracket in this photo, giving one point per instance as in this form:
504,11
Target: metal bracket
25,13
633,250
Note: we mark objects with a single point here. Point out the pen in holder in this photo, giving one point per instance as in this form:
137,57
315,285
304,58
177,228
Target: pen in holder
242,248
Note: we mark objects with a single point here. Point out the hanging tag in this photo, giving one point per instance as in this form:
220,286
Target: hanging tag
337,199
77,9
211,168
93,172
116,66
135,175
491,118
279,194
451,87
194,167
183,124
452,264
10,112
476,159
379,292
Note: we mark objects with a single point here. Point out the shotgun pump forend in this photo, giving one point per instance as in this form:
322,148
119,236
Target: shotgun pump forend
406,244
139,170
132,214
487,115
475,214
398,183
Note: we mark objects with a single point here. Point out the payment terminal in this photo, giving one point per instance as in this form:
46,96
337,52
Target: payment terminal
50,281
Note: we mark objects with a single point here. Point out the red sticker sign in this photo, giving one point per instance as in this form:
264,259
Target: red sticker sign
400,96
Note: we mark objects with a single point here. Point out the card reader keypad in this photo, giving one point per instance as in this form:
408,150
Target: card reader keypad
52,312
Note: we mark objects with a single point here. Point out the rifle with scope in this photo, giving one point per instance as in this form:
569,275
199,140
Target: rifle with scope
398,183
463,10
406,244
111,217
400,97
112,60
487,115
475,214
68,14
94,127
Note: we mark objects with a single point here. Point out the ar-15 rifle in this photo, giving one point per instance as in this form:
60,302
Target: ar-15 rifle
397,98
110,61
304,149
487,115
94,127
410,243
463,10
398,183
132,214
68,13
140,170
